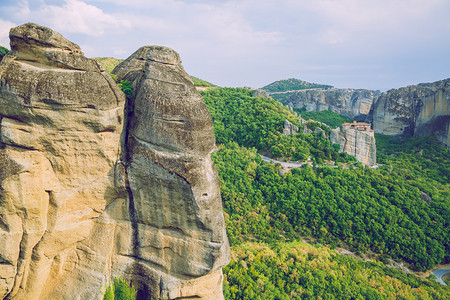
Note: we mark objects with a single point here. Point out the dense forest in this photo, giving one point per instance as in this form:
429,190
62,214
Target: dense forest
399,211
297,270
258,122
328,117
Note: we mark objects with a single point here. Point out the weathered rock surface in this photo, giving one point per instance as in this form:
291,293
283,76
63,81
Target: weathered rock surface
418,110
86,193
289,128
178,221
348,102
61,119
356,139
261,93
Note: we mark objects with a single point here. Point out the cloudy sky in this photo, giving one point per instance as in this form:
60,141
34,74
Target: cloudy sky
375,44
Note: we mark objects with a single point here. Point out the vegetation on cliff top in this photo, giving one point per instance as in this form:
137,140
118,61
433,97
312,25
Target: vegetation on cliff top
202,83
292,84
328,117
109,63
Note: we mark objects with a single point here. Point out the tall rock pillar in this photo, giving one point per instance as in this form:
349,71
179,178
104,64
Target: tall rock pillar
60,123
172,185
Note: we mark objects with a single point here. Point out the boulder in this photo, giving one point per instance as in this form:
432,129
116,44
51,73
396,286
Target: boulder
261,93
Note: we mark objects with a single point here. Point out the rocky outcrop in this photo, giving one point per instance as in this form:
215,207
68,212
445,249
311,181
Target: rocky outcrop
349,102
289,128
260,93
178,222
356,139
417,110
89,193
61,119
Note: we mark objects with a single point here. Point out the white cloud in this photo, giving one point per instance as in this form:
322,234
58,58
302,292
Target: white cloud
350,20
249,41
74,16
199,26
5,26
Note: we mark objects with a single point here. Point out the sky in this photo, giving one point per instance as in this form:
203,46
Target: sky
373,44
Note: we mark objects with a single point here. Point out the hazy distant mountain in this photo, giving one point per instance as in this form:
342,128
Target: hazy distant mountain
292,84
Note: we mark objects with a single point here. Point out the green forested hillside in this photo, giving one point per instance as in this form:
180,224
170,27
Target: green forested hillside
292,84
258,122
328,117
202,83
109,63
381,210
361,208
297,270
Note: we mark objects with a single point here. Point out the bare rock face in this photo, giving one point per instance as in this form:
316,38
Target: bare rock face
88,193
348,102
61,119
418,110
289,128
356,139
260,93
176,217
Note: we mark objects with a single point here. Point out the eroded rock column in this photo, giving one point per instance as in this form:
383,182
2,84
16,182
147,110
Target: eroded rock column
61,118
172,185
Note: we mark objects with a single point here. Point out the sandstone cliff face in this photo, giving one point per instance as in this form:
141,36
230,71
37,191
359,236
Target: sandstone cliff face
88,193
418,110
60,127
349,102
356,139
179,222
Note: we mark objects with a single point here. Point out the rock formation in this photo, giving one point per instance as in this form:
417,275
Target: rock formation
88,193
349,102
356,139
172,181
289,128
61,119
418,110
260,93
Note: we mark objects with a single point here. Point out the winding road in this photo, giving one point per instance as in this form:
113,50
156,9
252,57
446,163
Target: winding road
441,274
282,163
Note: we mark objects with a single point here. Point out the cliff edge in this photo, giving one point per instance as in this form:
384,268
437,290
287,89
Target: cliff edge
416,110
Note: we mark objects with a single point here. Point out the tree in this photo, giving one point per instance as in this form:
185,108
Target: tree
119,289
